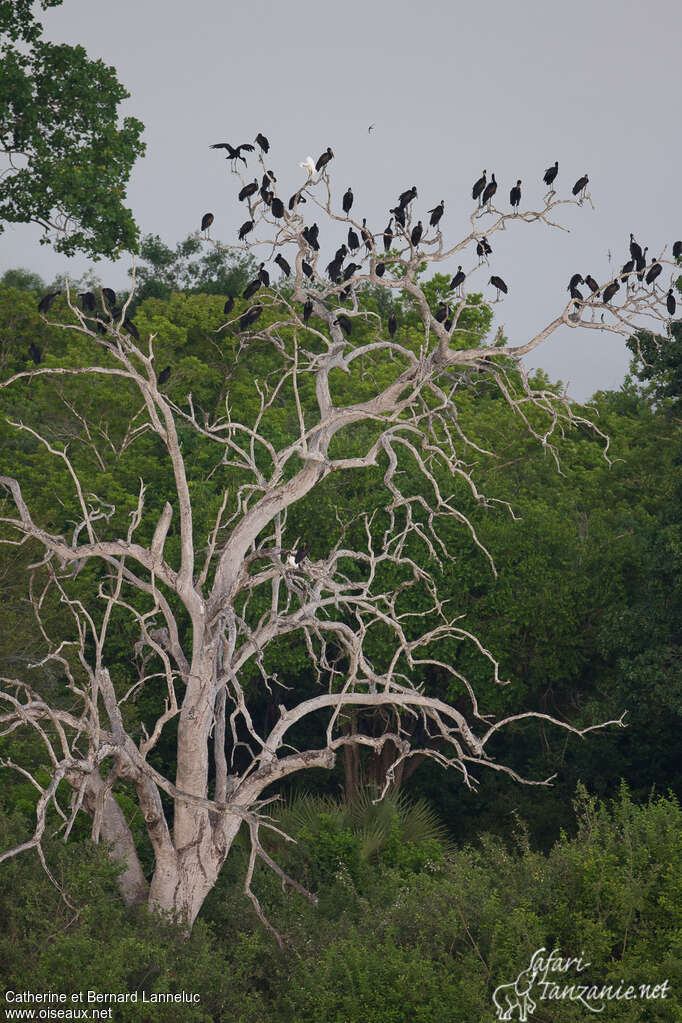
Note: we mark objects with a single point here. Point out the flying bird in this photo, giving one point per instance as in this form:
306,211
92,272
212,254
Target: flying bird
262,142
324,159
347,200
580,185
282,264
206,221
244,229
46,301
308,165
479,186
234,152
436,213
515,195
489,191
498,283
550,174
250,316
669,301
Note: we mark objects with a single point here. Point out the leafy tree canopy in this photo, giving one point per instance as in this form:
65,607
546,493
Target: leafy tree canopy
68,159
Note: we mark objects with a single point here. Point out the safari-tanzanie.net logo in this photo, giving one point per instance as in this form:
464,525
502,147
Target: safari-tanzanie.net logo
551,978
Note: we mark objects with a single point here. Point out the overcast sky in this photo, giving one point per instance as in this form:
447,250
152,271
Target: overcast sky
451,88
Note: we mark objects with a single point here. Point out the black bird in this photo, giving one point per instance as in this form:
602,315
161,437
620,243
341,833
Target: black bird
498,283
244,229
163,376
46,302
515,195
296,199
262,142
627,269
448,324
436,213
405,198
282,264
640,263
591,284
250,316
677,250
635,249
609,291
654,271
307,310
131,328
324,159
334,270
206,221
234,152
310,234
417,232
483,249
36,353
345,324
109,297
366,235
669,301
388,235
229,306
341,254
296,558
347,201
399,214
392,325
489,191
87,301
251,288
277,207
550,174
350,270
264,275
575,280
576,294
580,185
441,313
268,179
479,186
380,269
248,190
267,196
353,240
306,268
458,280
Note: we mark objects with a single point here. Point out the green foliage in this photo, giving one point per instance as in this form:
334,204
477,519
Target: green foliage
71,159
189,269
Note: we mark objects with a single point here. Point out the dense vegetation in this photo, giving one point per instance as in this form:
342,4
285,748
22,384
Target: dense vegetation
415,921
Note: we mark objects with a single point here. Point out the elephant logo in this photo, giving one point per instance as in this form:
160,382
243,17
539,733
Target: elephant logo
509,997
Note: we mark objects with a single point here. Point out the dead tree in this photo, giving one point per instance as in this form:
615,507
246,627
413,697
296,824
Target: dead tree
213,583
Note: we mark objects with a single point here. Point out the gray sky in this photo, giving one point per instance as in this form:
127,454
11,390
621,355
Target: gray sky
451,88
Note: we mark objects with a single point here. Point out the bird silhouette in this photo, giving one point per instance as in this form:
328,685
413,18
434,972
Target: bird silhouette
282,264
248,190
251,288
550,174
670,302
307,310
498,283
580,185
244,229
677,250
436,213
229,306
479,186
46,301
347,201
163,376
392,325
380,269
458,280
206,221
515,195
250,316
353,240
653,273
388,235
635,248
35,352
609,291
262,142
417,232
277,207
489,191
234,152
324,159
591,284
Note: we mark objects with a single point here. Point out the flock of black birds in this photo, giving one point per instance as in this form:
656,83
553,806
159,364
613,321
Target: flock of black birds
483,191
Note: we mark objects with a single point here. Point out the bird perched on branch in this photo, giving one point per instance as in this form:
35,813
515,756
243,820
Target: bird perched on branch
677,250
206,222
392,325
366,235
251,288
380,269
405,198
87,301
400,215
345,323
515,195
248,190
264,275
234,152
244,229
498,283
436,213
670,303
324,159
417,232
388,235
640,263
581,186
635,248
311,235
307,310
296,558
306,268
282,264
591,284
458,280
479,185
108,298
250,316
229,306
575,280
35,352
353,240
609,291
308,165
262,142
163,377
483,249
276,207
46,301
627,269
653,273
550,174
347,201
489,191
